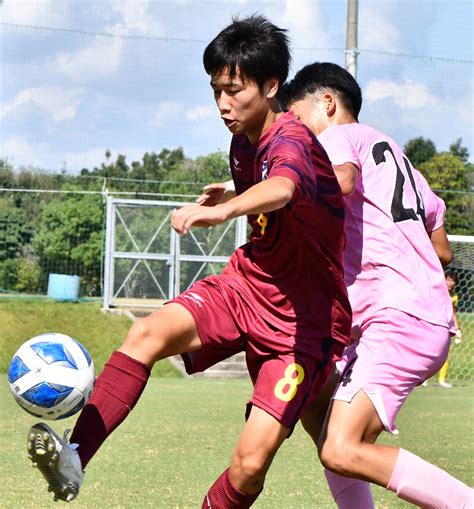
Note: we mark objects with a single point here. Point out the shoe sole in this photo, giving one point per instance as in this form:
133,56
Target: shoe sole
43,453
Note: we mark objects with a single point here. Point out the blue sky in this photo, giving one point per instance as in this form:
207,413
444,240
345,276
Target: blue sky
82,76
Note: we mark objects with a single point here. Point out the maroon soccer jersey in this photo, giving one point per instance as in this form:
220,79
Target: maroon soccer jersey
291,269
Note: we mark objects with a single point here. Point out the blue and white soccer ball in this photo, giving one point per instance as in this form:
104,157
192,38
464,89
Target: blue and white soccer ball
51,376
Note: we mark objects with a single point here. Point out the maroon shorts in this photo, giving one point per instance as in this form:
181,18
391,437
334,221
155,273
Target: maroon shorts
288,372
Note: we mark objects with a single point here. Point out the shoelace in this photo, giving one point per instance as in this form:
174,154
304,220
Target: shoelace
65,439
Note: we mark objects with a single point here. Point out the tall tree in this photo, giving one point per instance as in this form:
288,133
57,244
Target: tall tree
447,175
457,149
69,239
419,150
7,178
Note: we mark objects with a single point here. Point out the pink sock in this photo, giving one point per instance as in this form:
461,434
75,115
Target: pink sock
116,392
223,495
349,493
421,483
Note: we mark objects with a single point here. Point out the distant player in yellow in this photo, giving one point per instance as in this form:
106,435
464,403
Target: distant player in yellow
451,281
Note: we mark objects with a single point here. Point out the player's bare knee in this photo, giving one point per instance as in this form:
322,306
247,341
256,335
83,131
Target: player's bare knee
339,456
249,469
138,334
141,337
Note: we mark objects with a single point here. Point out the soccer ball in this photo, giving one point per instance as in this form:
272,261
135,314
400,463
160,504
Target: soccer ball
51,376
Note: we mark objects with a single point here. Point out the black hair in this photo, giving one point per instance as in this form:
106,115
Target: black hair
252,46
452,275
318,77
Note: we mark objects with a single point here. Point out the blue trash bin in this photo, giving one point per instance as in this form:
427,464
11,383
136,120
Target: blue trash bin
63,287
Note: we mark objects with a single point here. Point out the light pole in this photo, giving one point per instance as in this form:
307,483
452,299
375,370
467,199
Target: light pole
351,37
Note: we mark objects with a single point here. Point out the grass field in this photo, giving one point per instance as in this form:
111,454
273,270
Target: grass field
181,434
100,333
461,357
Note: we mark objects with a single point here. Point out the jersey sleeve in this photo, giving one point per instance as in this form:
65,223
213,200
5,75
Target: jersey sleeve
339,147
291,158
435,207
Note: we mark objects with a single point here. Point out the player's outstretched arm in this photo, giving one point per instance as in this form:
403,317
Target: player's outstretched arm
266,196
216,193
440,242
271,194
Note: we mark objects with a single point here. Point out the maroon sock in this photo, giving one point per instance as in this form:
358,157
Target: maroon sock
116,392
222,495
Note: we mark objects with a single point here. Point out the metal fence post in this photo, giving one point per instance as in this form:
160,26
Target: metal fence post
109,253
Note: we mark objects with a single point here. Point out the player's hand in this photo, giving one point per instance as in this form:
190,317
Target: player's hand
458,337
213,194
197,215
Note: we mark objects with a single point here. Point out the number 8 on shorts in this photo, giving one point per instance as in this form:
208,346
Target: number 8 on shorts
286,387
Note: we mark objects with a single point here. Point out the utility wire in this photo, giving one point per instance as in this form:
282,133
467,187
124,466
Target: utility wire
106,192
140,181
177,39
101,34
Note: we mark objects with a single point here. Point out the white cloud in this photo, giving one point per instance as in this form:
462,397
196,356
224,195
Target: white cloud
58,103
136,18
35,12
101,59
406,95
20,152
307,30
167,112
430,116
375,31
86,159
117,80
173,112
305,23
75,161
201,112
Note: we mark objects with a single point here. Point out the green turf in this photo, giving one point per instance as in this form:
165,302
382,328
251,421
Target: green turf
180,436
99,332
461,356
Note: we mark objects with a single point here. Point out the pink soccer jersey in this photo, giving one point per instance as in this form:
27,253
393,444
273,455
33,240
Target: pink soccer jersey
389,260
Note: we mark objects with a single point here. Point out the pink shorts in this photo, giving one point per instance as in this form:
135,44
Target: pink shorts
395,353
287,372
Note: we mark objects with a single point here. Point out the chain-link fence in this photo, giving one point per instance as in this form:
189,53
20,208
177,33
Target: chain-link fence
54,232
147,262
71,232
461,356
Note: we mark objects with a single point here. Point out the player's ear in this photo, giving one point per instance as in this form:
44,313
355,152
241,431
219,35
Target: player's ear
271,87
329,101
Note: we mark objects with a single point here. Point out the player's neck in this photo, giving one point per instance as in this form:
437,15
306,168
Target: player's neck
341,117
273,114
